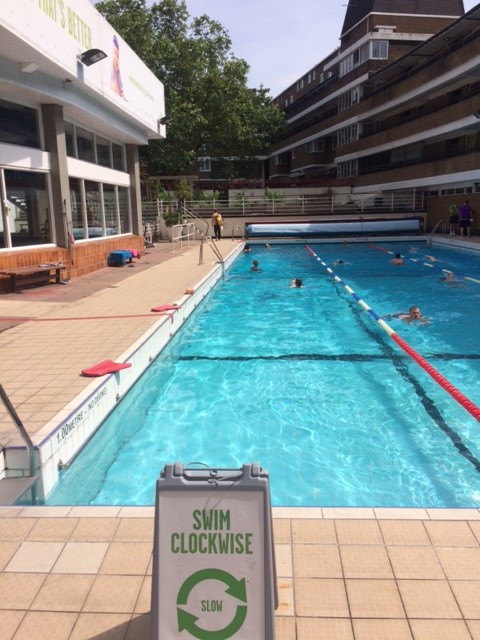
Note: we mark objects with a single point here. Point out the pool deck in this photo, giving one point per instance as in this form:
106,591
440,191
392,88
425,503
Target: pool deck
78,573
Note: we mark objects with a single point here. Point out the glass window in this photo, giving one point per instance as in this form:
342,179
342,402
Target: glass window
18,125
69,140
118,157
27,207
94,209
204,164
103,152
110,205
85,145
76,205
124,209
380,49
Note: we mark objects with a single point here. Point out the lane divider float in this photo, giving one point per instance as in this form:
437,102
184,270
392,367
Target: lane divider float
457,395
430,265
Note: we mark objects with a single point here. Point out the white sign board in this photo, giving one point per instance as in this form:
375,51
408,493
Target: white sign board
213,564
58,31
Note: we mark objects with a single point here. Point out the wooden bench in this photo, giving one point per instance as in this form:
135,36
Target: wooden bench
35,275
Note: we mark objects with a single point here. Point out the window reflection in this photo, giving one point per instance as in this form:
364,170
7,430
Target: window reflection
76,204
110,204
103,152
94,209
118,157
27,208
85,145
18,125
124,209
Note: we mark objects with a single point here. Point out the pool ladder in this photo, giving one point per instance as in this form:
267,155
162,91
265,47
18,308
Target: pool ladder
215,249
11,489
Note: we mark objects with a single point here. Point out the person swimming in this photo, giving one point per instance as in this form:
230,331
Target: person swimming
414,314
296,283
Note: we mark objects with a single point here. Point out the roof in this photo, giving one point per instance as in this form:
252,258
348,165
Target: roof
357,10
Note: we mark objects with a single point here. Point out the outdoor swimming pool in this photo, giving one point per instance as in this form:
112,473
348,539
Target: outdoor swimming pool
306,383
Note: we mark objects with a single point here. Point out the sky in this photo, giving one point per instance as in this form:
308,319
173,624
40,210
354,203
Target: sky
280,40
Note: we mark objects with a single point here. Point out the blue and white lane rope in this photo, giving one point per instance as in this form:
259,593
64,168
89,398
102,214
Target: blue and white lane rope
457,395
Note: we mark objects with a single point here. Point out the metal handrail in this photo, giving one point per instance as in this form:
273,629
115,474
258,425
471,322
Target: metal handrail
215,250
23,432
188,213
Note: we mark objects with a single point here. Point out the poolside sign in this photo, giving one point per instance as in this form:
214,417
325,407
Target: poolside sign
213,555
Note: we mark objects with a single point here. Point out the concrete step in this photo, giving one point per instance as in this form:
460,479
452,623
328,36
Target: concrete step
11,489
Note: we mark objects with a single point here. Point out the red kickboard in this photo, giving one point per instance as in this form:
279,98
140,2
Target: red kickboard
166,307
102,368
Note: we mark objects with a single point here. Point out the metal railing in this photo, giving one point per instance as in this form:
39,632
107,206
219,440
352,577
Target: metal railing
183,234
279,204
26,438
208,240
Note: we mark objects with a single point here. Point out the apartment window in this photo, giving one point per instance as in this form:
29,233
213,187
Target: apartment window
204,165
315,146
281,159
349,98
18,125
376,49
347,169
347,134
379,49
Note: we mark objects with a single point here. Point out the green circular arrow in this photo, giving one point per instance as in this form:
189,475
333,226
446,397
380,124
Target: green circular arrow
188,622
236,588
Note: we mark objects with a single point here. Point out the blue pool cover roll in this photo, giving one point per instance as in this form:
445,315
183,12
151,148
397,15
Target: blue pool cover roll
330,228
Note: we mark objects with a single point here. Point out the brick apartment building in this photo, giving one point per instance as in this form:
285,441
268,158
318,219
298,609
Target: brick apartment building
396,106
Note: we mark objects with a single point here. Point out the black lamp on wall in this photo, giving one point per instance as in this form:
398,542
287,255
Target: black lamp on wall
91,56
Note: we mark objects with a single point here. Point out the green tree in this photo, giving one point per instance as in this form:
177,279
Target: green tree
212,111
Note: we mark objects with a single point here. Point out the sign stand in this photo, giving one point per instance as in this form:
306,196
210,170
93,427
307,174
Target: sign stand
214,575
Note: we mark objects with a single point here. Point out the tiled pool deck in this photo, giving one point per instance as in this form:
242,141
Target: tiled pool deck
72,573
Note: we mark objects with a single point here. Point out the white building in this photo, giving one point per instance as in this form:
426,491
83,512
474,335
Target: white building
70,128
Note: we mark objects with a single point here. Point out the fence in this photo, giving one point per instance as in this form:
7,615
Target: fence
280,204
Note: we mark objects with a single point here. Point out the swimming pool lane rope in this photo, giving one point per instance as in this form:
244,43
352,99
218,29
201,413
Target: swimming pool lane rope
430,265
457,395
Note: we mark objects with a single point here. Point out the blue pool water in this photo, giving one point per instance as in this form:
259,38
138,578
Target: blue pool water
306,383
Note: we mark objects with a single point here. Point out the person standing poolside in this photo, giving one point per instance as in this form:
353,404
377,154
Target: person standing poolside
413,315
453,217
217,224
465,214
